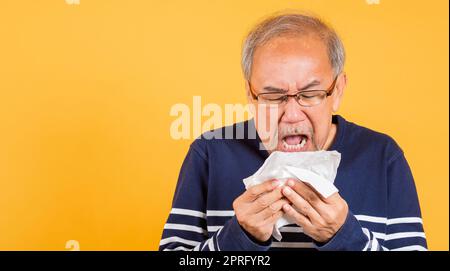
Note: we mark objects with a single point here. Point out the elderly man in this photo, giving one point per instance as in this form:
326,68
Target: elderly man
294,63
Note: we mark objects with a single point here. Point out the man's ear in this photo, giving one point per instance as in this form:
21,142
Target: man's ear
341,84
247,91
250,100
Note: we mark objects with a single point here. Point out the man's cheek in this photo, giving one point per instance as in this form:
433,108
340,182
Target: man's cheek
267,123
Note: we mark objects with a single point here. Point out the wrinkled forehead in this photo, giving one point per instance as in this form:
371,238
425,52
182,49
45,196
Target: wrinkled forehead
291,58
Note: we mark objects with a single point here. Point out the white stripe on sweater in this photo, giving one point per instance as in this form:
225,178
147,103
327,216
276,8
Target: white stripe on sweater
179,211
204,245
367,233
174,239
398,235
219,213
384,220
185,227
217,238
177,249
409,248
374,245
214,228
402,220
211,244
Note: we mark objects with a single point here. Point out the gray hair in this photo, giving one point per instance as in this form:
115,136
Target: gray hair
292,24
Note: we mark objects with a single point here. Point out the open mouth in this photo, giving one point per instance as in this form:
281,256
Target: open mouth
294,142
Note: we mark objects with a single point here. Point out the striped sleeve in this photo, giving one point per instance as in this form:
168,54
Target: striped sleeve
404,226
402,230
186,230
399,234
186,227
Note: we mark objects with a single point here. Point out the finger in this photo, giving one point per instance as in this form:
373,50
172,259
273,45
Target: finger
272,209
333,198
300,204
255,191
309,194
274,217
299,219
265,200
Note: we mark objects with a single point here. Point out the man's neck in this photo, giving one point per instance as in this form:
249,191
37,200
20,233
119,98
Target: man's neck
331,137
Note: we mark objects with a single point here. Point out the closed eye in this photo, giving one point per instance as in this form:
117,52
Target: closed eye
307,96
310,94
272,96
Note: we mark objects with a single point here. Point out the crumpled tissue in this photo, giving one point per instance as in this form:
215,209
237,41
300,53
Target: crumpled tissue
316,168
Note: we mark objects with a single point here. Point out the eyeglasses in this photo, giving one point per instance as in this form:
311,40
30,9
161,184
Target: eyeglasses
305,98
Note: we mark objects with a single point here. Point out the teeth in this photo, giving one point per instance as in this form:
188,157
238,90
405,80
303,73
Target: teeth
296,146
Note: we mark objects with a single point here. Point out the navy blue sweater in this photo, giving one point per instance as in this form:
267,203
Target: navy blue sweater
373,177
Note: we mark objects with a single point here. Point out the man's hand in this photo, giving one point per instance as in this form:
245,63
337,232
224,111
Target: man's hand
319,217
258,208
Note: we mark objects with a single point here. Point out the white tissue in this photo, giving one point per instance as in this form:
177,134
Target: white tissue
318,169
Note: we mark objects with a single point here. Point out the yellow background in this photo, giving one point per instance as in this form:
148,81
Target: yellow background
86,90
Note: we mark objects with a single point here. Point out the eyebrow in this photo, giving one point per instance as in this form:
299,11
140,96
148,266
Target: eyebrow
275,89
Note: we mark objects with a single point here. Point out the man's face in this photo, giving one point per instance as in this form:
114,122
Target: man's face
293,64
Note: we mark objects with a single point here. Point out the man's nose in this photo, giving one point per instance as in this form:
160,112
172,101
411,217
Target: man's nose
293,112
